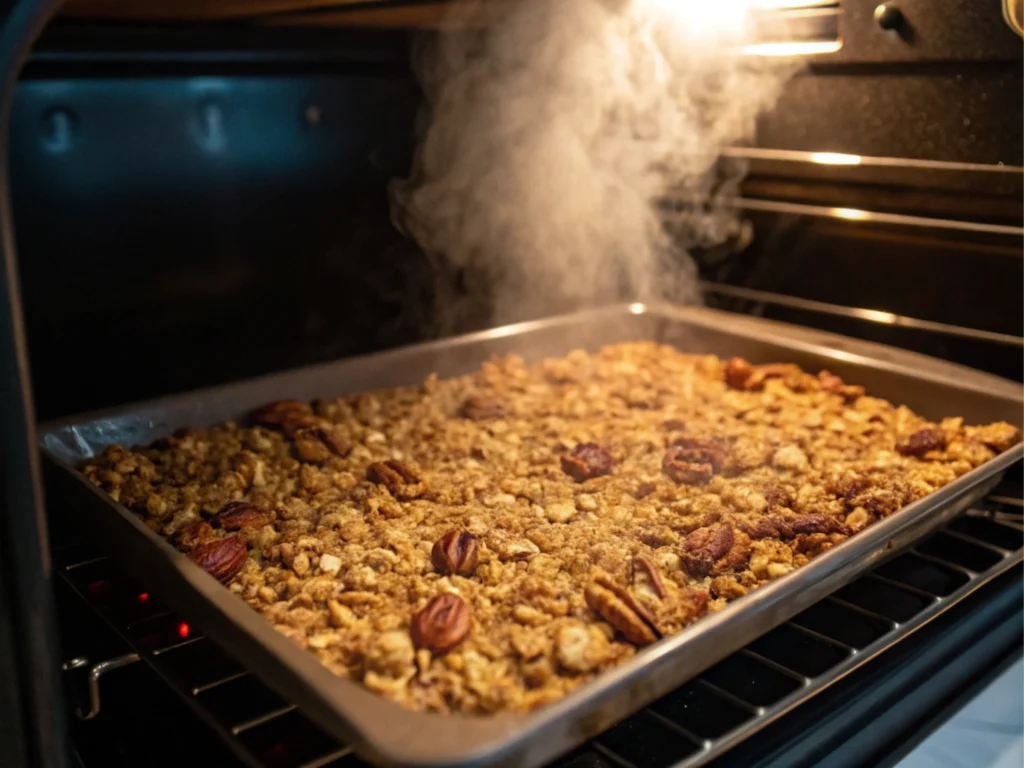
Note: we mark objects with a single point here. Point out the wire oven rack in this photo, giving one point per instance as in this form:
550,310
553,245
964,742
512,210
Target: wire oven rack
701,720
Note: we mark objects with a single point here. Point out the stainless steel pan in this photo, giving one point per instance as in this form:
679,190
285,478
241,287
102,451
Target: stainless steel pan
386,733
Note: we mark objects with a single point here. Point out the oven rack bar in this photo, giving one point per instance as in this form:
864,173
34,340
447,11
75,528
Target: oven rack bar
703,719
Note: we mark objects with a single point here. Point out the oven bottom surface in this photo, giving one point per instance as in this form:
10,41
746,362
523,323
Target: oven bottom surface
858,676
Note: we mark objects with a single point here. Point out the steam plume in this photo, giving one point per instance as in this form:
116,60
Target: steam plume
553,130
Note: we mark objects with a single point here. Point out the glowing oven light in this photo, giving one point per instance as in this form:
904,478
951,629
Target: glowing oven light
183,630
850,213
835,158
143,597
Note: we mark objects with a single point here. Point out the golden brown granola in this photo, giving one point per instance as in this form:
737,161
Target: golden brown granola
493,541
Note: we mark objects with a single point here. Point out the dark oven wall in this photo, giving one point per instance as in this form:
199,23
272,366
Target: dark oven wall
196,207
213,211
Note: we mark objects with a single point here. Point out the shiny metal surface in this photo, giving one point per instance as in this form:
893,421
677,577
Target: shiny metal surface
860,313
386,733
98,671
881,217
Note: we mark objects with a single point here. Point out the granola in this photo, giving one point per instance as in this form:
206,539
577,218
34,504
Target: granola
491,542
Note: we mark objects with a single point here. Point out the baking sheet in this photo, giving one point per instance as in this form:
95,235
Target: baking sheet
388,734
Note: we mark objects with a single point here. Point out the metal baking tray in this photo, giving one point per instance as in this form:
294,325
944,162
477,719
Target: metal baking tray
384,732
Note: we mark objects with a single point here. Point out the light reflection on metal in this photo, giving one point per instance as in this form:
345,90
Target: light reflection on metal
835,158
859,313
798,156
808,48
1013,13
853,214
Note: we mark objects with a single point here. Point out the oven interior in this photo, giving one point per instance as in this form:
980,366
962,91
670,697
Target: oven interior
199,194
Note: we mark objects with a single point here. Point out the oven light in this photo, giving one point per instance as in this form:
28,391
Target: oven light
183,630
835,158
850,213
143,597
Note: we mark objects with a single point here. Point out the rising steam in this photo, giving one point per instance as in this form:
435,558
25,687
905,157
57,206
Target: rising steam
554,128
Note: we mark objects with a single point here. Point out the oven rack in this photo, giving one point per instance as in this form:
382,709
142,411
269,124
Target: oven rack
704,718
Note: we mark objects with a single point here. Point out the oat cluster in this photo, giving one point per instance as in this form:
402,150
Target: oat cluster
490,542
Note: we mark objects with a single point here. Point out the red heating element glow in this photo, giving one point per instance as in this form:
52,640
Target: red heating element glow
183,630
144,597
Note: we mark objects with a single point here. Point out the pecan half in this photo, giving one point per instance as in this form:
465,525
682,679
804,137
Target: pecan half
693,461
309,447
318,444
401,480
587,460
297,421
771,527
923,441
737,371
482,408
222,558
645,578
276,413
333,439
241,514
441,625
804,524
455,552
836,386
704,547
622,610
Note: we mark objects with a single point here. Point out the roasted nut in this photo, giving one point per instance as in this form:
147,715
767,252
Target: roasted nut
923,441
318,444
704,547
804,524
275,414
836,386
737,371
222,558
241,514
333,439
645,578
401,480
692,461
771,527
587,460
482,408
455,552
622,610
297,421
442,624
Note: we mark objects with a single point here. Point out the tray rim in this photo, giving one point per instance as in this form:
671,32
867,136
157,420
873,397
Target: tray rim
477,740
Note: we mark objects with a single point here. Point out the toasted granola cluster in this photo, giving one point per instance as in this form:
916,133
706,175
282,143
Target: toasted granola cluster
493,541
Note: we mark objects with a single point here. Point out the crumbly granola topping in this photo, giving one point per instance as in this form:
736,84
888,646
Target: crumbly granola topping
491,542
